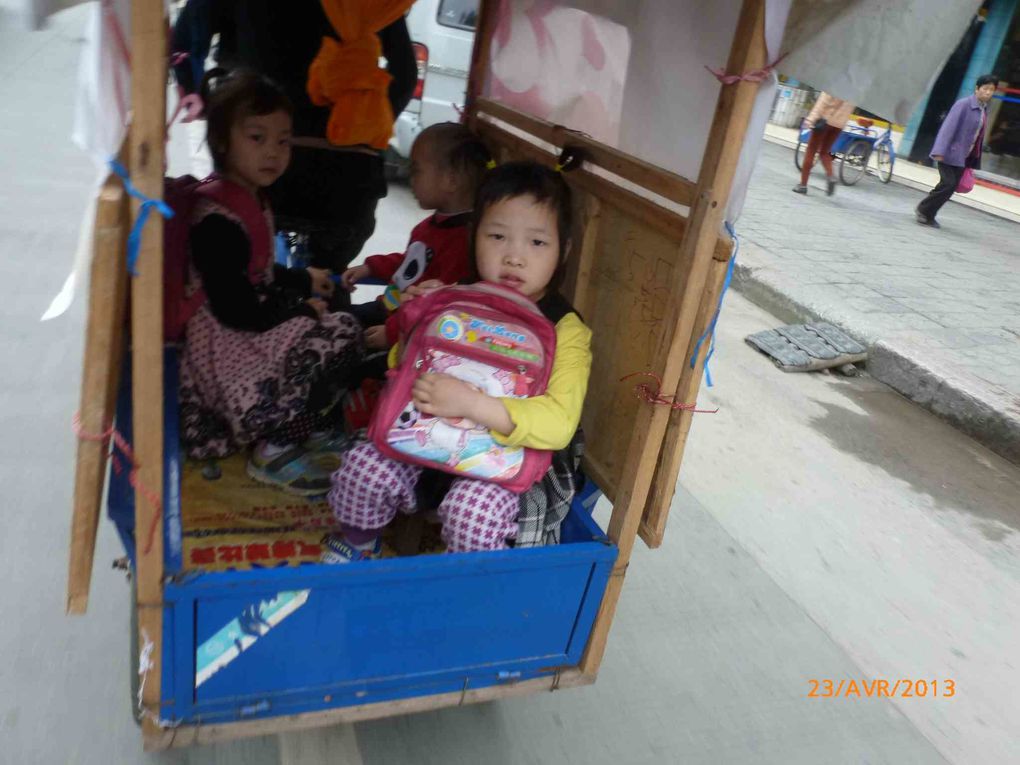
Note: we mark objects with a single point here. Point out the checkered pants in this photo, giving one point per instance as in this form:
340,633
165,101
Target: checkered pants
370,489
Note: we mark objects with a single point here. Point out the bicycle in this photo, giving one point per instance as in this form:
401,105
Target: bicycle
854,148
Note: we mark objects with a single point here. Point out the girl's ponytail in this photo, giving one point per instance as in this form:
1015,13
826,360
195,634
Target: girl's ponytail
207,86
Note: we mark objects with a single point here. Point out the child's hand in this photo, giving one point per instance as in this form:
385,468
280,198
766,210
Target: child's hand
193,107
443,396
375,338
352,276
422,288
321,283
320,305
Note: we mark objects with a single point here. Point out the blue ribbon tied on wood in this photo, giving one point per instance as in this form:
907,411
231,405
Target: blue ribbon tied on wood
148,204
710,332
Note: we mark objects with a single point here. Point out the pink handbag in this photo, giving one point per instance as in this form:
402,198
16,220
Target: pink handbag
966,183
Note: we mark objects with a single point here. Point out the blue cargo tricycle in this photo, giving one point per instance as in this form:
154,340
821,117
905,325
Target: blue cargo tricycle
854,148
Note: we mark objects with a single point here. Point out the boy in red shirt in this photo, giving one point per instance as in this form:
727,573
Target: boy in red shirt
447,164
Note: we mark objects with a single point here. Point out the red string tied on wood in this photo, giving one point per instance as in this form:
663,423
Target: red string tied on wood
644,392
120,443
755,75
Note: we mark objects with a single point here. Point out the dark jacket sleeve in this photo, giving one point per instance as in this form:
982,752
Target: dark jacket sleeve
220,252
193,33
400,63
296,279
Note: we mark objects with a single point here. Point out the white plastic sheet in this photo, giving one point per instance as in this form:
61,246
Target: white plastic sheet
104,81
664,113
586,55
879,54
100,120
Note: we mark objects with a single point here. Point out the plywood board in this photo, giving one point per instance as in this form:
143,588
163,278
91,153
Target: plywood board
632,272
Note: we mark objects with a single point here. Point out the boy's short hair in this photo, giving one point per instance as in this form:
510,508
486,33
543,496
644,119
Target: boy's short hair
986,79
230,97
458,150
518,179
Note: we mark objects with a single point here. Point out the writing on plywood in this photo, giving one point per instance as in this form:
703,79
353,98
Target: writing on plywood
631,278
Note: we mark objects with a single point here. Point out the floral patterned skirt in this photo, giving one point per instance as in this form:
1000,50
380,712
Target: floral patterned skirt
237,387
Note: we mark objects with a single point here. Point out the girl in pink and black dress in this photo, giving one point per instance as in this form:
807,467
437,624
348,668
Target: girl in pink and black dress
263,362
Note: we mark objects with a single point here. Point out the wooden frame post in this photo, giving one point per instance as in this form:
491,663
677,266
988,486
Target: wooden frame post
104,340
718,166
147,141
660,497
480,60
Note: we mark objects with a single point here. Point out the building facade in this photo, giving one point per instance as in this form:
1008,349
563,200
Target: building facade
991,45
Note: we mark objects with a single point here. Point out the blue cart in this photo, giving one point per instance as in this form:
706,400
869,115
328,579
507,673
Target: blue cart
853,149
227,650
295,640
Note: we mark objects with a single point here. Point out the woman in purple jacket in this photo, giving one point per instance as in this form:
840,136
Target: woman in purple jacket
958,145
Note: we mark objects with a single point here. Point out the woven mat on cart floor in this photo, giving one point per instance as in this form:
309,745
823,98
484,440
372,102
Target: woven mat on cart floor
808,347
233,523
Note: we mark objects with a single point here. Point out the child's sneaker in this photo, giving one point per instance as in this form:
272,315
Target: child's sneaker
339,550
294,471
329,443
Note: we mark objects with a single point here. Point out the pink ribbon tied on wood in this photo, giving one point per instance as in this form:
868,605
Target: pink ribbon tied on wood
755,75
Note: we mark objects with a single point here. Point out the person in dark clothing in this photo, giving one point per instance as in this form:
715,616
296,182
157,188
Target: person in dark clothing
958,145
329,192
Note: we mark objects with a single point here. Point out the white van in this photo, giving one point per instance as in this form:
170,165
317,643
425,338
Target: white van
443,32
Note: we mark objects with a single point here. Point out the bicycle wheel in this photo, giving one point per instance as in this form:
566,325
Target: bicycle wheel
885,164
854,162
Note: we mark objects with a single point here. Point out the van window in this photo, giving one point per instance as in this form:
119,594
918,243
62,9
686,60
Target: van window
459,14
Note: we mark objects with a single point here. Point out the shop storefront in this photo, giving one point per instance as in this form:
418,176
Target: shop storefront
991,45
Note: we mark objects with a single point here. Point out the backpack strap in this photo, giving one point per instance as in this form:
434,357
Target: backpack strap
252,215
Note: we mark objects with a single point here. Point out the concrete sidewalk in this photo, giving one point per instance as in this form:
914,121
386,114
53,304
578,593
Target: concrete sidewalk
939,310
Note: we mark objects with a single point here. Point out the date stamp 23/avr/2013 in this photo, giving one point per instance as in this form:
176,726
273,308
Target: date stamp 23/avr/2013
902,688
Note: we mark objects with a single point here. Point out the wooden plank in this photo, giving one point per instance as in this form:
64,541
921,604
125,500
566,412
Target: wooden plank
660,496
189,735
484,29
104,338
629,291
666,184
665,221
726,139
598,473
584,262
147,133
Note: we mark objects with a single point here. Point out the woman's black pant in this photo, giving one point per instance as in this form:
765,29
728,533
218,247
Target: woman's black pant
949,179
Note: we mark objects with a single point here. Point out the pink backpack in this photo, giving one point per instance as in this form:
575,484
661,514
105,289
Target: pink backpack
490,337
181,194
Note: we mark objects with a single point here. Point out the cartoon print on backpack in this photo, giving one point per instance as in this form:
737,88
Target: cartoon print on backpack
460,443
408,417
453,434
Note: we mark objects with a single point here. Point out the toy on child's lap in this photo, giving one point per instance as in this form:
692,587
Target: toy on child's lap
489,337
391,297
